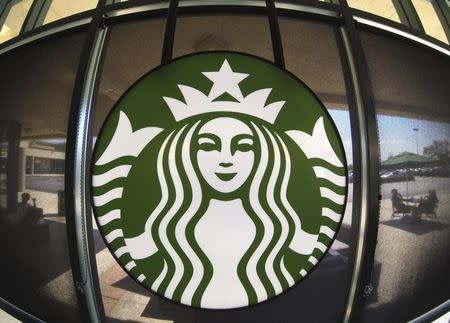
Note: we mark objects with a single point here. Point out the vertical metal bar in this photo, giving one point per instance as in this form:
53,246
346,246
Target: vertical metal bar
406,9
43,13
36,15
30,13
369,152
363,179
401,13
169,35
354,109
277,45
5,8
78,157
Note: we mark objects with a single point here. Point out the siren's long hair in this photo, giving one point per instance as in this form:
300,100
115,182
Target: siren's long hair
186,269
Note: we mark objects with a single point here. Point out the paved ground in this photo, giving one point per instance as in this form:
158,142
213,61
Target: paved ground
412,257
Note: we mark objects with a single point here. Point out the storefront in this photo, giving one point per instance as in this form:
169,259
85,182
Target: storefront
101,90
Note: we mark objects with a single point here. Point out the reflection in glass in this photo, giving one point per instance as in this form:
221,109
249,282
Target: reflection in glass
301,50
124,299
13,23
36,92
410,273
414,217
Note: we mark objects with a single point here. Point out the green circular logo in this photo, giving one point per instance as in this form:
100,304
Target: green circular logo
218,180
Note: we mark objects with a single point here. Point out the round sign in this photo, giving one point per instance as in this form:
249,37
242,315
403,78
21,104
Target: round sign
218,180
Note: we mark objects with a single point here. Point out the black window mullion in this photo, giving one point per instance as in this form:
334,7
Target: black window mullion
36,15
277,45
408,15
356,148
169,36
84,266
368,179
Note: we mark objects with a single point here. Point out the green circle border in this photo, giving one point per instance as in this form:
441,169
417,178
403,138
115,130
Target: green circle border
345,166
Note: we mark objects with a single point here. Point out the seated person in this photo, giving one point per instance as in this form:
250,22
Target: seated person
26,211
429,203
398,203
25,199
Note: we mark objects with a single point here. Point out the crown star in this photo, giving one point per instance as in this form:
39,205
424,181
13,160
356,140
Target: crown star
225,81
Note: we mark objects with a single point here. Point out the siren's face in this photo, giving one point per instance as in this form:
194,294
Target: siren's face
225,153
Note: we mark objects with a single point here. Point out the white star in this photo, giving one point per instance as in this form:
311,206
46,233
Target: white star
225,80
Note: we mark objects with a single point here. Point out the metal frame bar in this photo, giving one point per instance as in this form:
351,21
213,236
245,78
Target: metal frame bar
361,180
169,35
433,314
68,24
408,14
302,8
277,45
355,110
444,7
369,166
78,158
17,312
403,30
318,9
36,15
397,32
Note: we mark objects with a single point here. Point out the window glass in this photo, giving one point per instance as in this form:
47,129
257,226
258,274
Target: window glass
383,8
14,20
36,91
234,33
62,8
412,255
307,52
430,20
311,53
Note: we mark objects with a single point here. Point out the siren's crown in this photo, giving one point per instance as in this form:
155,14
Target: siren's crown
224,81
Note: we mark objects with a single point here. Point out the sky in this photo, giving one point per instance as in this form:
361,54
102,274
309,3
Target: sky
342,121
396,133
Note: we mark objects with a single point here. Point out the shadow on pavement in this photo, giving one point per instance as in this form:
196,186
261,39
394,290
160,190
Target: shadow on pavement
416,226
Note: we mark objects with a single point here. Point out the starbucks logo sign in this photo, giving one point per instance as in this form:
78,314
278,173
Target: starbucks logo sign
218,180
